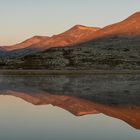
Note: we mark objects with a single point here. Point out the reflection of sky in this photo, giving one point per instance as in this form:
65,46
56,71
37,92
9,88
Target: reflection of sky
21,19
23,121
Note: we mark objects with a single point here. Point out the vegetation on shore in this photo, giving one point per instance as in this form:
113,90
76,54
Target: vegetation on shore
103,54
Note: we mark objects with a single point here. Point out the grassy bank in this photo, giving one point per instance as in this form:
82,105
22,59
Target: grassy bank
66,72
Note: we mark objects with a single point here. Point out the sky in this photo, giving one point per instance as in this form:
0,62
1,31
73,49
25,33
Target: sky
22,19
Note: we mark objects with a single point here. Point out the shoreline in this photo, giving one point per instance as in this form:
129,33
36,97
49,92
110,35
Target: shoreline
67,72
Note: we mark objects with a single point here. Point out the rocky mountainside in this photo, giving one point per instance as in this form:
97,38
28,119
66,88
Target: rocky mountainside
21,49
76,34
129,27
115,47
25,44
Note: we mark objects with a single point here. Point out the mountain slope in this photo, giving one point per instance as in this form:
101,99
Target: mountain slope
129,27
26,43
76,34
80,107
103,54
21,49
115,47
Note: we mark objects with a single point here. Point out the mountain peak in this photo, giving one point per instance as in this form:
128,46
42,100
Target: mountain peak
135,16
39,37
78,29
82,27
76,34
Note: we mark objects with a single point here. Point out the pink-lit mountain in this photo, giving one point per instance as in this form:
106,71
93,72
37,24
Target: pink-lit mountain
113,47
80,107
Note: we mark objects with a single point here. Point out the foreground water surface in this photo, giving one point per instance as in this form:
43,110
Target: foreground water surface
88,107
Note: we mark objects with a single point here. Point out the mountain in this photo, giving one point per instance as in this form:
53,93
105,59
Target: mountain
31,41
129,27
102,54
114,95
80,107
2,49
21,49
75,35
115,47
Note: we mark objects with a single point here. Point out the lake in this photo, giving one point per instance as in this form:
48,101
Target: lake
70,107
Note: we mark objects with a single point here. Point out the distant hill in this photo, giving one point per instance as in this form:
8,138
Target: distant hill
17,50
25,44
76,34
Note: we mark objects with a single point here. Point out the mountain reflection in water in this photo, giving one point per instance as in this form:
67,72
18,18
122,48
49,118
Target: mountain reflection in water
117,96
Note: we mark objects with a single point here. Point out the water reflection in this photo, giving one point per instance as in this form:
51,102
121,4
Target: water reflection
116,96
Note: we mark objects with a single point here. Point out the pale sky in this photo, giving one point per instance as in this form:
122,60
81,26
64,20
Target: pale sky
22,19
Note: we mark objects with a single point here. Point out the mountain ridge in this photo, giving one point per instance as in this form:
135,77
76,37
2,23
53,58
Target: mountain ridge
81,107
76,34
114,47
26,43
130,27
116,29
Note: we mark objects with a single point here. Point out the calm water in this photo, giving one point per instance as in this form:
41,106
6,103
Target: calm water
70,107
